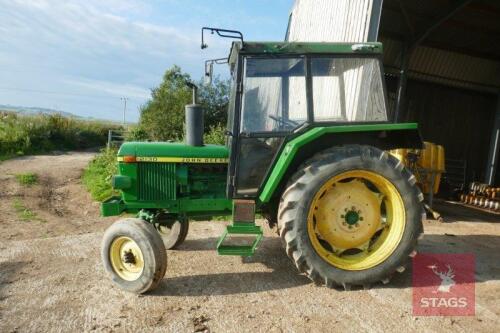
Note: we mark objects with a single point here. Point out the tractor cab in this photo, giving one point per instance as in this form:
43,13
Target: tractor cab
280,90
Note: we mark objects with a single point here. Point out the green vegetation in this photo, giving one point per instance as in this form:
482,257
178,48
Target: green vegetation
27,179
25,213
21,135
97,176
162,117
216,135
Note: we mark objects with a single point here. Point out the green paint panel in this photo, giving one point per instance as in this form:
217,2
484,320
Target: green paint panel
291,148
240,229
156,181
167,149
302,48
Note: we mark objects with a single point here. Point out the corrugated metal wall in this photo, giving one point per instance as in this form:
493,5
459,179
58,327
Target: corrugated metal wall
330,20
445,67
460,120
340,21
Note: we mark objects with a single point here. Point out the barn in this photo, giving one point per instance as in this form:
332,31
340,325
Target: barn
442,69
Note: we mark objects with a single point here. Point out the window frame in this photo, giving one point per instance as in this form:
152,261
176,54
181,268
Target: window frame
309,91
268,134
378,58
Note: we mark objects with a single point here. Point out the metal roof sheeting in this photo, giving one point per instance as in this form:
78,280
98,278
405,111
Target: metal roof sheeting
330,21
445,67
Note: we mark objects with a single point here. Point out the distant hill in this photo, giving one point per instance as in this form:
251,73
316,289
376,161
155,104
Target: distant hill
35,110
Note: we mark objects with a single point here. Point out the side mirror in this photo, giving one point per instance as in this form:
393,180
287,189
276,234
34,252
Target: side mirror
209,71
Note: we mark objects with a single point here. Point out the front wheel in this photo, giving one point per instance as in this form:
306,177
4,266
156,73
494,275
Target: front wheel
172,231
134,256
351,216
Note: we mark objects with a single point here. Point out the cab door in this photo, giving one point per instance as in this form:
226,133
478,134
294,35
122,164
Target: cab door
272,103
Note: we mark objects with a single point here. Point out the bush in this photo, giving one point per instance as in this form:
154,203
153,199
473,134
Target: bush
216,135
136,133
21,135
97,175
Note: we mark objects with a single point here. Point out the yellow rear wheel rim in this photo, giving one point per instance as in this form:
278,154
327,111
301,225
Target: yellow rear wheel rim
356,220
126,258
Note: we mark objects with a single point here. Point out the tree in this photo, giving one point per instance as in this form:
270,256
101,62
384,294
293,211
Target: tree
215,99
162,118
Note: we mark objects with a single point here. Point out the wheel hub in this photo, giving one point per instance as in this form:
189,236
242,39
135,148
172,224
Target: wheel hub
348,215
129,258
352,217
126,258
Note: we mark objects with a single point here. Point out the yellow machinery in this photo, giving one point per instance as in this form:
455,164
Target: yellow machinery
428,166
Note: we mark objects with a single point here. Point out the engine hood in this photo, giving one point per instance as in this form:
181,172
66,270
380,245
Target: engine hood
152,151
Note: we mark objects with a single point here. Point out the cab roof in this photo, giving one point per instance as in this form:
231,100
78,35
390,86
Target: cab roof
300,48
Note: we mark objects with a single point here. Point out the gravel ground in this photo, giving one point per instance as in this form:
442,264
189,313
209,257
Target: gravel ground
51,278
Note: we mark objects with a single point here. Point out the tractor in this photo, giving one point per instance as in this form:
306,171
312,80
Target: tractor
307,144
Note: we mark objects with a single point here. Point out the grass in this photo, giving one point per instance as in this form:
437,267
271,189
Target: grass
22,134
27,179
97,175
24,213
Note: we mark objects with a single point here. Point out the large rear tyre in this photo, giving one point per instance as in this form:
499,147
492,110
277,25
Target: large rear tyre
351,215
133,255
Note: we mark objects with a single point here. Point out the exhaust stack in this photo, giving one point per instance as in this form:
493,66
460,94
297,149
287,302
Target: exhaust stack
194,120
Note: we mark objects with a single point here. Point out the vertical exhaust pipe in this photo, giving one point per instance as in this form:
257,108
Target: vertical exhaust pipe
194,120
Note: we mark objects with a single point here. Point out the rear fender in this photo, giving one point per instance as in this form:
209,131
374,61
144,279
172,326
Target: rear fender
304,146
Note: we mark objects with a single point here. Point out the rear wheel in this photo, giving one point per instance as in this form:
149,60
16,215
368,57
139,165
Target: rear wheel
351,216
134,256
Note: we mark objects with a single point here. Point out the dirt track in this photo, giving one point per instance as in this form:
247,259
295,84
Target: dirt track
51,277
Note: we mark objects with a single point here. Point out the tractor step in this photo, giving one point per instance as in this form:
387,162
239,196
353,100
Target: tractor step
238,233
243,236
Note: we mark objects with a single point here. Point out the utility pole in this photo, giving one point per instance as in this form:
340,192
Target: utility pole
124,99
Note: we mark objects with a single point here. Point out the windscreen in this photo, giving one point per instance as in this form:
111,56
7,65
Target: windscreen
274,95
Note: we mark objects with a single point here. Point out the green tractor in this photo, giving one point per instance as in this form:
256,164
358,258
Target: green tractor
307,139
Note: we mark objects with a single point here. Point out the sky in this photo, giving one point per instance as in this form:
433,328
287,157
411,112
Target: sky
82,56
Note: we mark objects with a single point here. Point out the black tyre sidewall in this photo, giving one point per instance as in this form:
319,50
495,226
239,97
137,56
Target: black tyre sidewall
413,210
174,240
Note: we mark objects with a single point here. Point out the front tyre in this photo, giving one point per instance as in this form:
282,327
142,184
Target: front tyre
172,231
351,216
133,255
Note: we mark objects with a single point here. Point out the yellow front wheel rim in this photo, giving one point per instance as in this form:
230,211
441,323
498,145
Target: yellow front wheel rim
356,220
126,258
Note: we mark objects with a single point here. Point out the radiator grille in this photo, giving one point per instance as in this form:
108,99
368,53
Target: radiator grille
156,181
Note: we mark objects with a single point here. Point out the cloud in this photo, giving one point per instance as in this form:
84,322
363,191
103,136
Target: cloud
111,88
110,47
92,26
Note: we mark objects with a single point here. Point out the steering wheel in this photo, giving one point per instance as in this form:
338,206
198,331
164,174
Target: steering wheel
284,122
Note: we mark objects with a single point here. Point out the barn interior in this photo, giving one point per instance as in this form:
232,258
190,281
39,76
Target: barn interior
442,62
